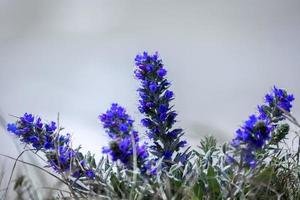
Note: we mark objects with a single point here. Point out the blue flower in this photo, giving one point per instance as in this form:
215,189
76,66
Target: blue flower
49,145
252,136
146,122
123,127
90,174
153,87
162,108
168,155
33,139
161,72
119,126
39,124
174,133
155,98
257,130
51,127
12,128
275,101
168,94
142,152
60,155
116,121
182,143
125,145
27,118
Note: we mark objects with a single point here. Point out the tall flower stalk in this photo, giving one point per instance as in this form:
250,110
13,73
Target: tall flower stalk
155,104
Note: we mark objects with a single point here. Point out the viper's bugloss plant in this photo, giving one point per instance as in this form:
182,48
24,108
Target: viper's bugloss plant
57,147
155,104
124,139
257,164
258,130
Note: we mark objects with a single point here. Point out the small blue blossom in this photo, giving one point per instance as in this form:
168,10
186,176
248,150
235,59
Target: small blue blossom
27,118
146,122
276,101
51,127
123,127
12,128
168,155
182,144
161,72
280,98
90,174
38,123
33,139
168,94
153,87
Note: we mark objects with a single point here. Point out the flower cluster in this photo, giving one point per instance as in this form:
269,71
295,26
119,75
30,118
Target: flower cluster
119,126
252,135
155,98
57,148
34,132
277,102
259,129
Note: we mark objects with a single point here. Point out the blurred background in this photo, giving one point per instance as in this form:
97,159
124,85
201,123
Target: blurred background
76,58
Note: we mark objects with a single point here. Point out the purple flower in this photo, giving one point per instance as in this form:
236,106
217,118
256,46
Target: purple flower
119,126
51,127
27,118
90,174
12,128
146,122
155,98
153,87
116,121
162,108
168,94
252,136
168,155
257,130
161,72
279,98
38,123
60,156
125,144
123,127
49,145
33,139
174,133
182,143
142,152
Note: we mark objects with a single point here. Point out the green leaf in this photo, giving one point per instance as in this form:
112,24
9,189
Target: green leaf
198,190
213,184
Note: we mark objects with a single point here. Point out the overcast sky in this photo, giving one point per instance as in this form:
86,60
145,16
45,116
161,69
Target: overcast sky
76,58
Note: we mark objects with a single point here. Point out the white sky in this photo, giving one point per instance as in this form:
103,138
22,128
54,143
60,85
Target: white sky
77,57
